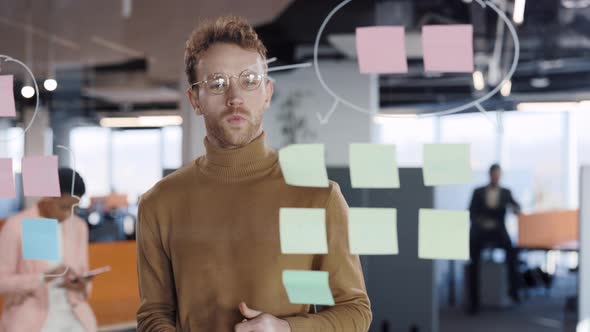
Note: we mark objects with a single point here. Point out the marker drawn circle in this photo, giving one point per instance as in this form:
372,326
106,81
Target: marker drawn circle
7,58
475,103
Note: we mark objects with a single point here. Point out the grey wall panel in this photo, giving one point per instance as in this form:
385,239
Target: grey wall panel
401,287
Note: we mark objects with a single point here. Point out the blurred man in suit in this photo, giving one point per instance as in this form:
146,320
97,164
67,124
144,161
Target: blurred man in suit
487,212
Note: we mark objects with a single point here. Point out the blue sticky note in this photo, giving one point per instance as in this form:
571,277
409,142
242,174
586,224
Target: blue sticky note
40,239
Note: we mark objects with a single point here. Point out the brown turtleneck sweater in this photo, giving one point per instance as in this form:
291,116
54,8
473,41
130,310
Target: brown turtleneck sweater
208,238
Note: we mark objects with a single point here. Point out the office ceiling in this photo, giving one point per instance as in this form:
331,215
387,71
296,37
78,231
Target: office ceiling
99,47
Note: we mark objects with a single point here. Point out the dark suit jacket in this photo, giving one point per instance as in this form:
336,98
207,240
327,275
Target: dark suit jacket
478,209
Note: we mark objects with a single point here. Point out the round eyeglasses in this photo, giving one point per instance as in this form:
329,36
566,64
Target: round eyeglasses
219,83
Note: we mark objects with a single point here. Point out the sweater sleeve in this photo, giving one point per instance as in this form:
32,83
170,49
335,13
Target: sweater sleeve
352,309
157,311
11,281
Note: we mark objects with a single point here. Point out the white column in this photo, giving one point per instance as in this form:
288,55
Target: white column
38,139
374,106
584,277
570,159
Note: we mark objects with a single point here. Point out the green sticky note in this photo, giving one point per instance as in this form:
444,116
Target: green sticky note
372,231
304,165
446,164
443,234
308,287
373,166
303,231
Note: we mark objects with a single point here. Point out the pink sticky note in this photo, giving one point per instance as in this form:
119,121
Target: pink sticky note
7,108
6,179
40,177
381,50
448,48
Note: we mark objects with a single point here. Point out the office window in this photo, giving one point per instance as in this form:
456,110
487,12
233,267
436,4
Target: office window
172,147
534,143
409,135
136,161
475,129
12,148
90,146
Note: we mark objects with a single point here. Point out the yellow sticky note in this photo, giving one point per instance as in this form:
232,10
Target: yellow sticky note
308,287
446,164
443,234
373,166
372,231
304,165
303,231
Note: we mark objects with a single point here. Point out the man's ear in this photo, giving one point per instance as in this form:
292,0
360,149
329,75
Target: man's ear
193,98
270,88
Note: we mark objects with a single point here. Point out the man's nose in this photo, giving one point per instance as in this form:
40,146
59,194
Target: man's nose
234,93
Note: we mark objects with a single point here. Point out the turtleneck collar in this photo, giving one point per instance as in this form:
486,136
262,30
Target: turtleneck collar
250,160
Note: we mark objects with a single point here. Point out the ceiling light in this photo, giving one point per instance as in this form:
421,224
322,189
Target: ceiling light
50,84
478,81
141,121
27,91
506,88
518,14
540,82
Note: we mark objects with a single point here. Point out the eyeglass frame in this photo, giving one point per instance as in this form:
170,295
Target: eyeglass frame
262,76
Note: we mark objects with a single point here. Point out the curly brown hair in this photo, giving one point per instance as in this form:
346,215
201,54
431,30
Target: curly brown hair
225,29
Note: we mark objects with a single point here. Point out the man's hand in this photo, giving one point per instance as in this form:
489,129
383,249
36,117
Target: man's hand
257,321
516,210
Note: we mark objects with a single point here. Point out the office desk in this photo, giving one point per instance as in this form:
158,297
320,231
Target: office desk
551,230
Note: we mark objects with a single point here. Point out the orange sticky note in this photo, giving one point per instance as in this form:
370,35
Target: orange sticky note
40,177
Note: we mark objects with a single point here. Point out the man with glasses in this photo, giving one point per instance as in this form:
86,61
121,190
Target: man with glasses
209,256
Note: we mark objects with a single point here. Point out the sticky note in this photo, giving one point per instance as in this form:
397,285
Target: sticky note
446,164
381,50
304,165
40,177
7,189
40,239
303,231
7,108
448,48
372,231
308,287
373,166
443,234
